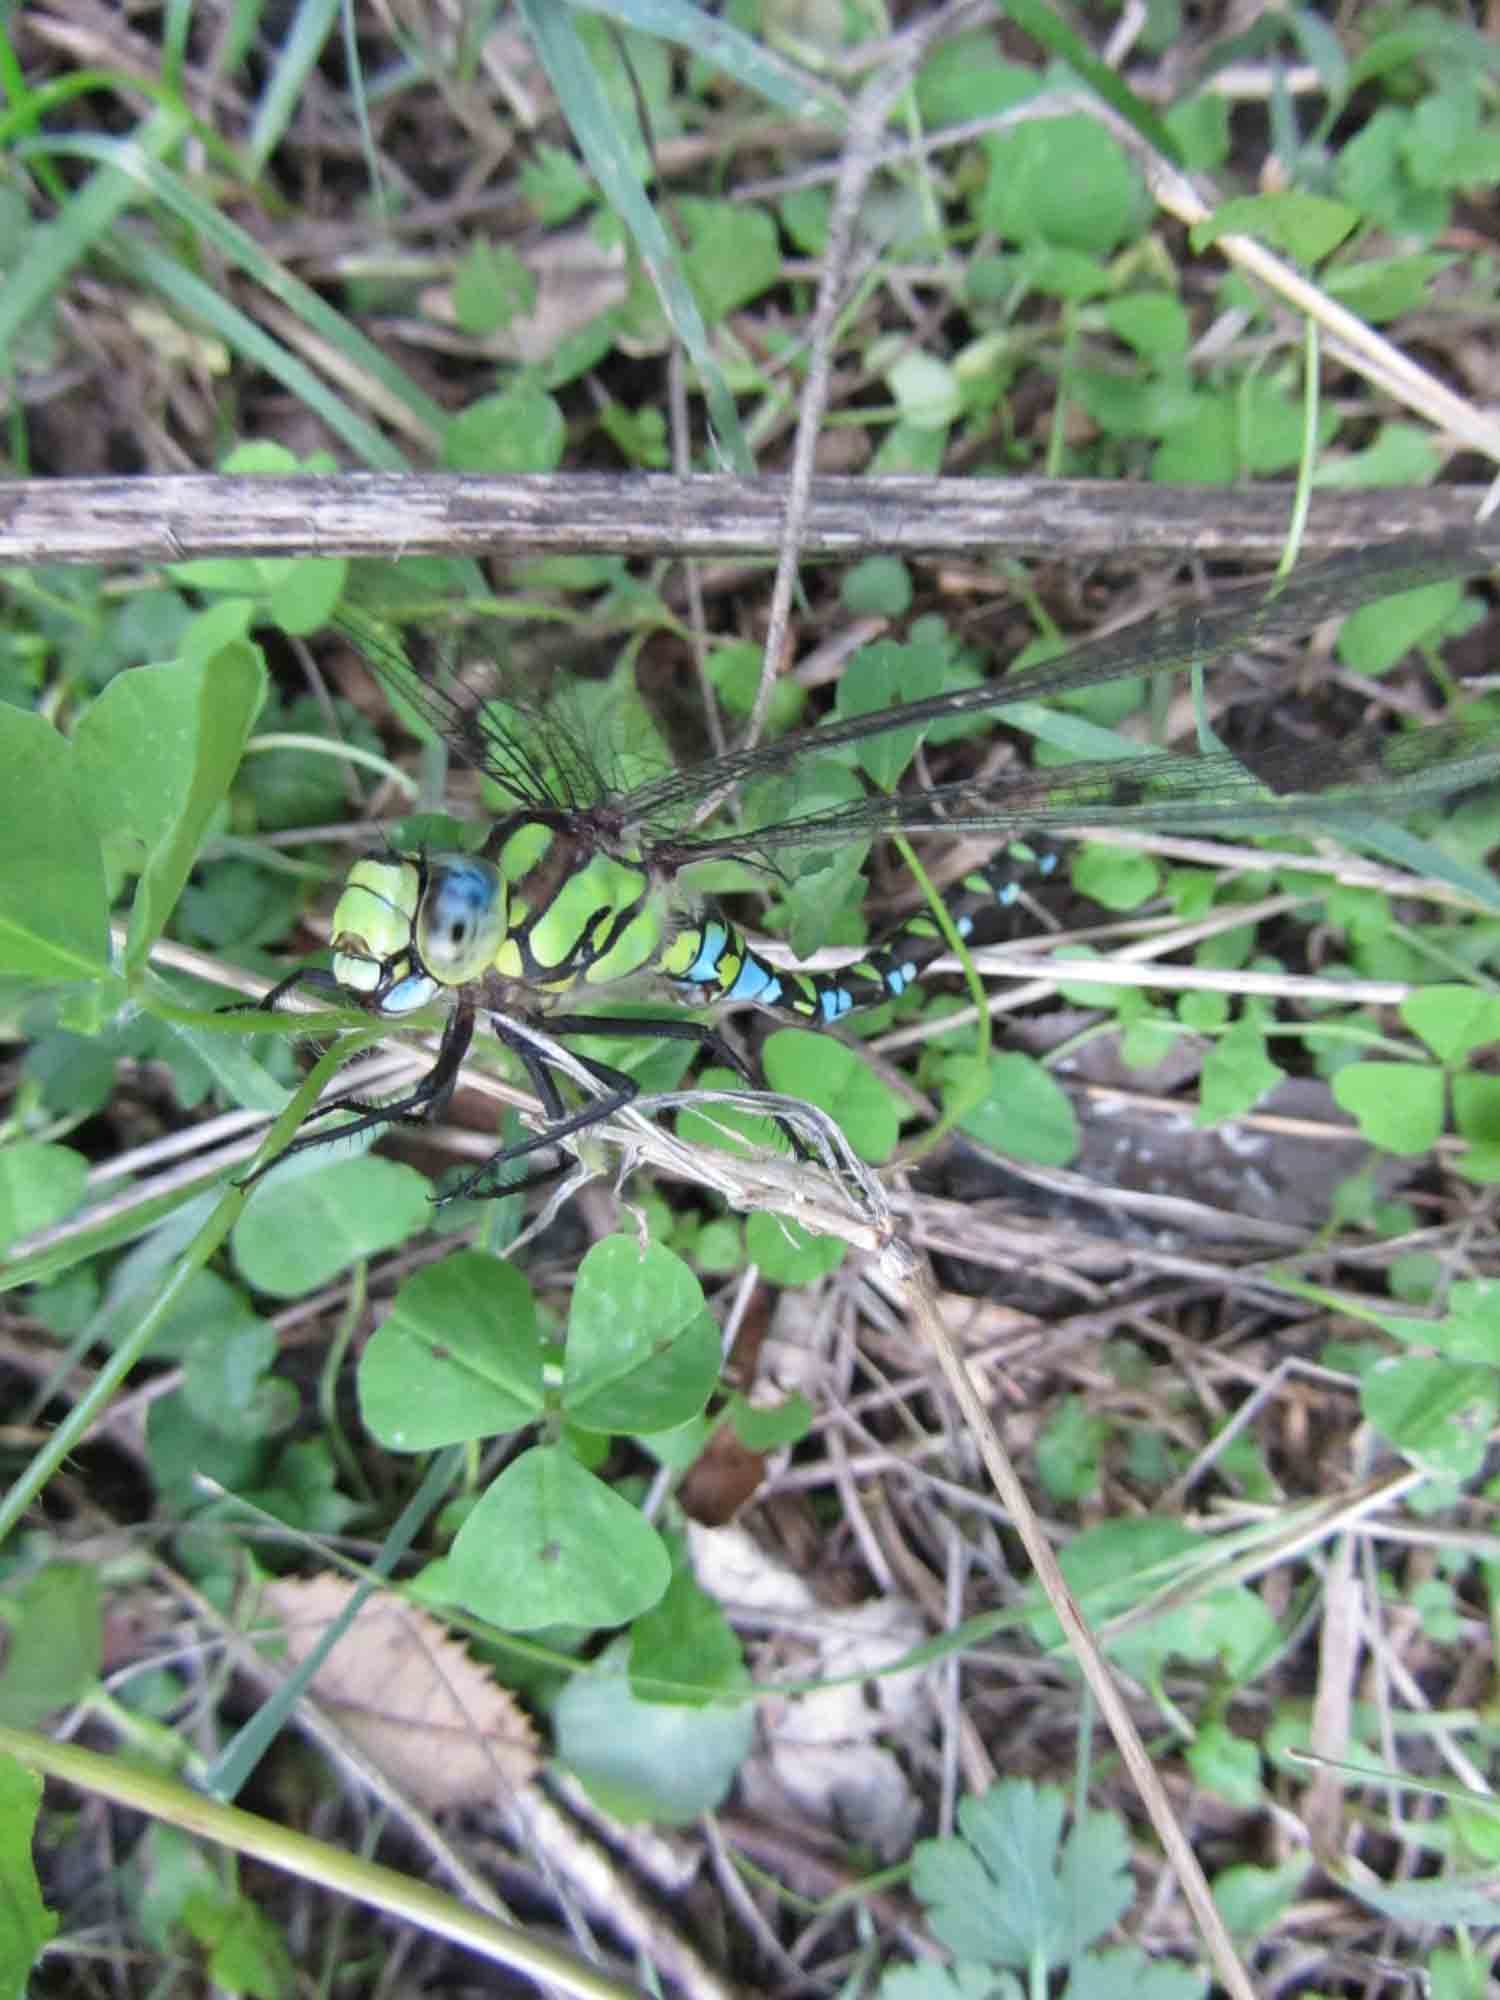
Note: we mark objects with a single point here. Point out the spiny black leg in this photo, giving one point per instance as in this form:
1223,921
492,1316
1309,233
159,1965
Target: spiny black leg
427,1098
621,1089
538,1074
621,1027
317,977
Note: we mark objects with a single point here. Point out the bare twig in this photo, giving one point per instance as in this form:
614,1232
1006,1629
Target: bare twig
169,519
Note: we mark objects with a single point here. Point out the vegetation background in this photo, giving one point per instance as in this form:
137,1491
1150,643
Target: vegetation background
630,1610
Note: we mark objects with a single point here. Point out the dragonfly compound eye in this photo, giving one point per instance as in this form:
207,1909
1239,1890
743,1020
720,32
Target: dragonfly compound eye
461,922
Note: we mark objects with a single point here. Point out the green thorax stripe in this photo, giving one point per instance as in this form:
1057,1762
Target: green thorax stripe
575,915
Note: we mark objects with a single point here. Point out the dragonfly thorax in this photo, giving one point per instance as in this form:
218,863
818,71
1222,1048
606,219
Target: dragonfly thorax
576,913
406,929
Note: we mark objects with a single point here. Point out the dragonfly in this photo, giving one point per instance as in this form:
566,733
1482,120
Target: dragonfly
577,888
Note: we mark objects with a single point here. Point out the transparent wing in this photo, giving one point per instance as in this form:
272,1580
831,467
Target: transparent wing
545,767
543,764
1213,792
1238,618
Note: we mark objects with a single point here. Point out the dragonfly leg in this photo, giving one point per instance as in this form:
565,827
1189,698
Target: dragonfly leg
708,1039
619,1089
424,1100
320,981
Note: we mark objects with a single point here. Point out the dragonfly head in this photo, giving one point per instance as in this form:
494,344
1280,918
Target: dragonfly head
405,929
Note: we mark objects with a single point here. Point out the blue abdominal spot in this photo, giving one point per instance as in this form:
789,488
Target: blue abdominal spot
704,969
755,982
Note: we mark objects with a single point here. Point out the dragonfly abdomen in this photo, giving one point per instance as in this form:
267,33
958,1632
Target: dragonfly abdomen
711,963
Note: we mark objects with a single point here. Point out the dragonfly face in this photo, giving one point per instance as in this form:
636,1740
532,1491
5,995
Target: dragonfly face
405,930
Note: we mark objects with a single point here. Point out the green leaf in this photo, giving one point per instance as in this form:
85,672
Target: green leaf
39,1185
54,1643
1453,1899
303,1488
26,1924
915,449
159,751
765,1427
1454,1021
1375,637
1445,145
1107,1975
891,671
519,430
1372,172
727,1126
788,1254
684,1649
491,287
1227,1765
301,592
1398,1106
1115,877
643,1348
1063,274
1063,181
1203,1013
549,1544
1200,125
1438,1413
1237,1073
179,1446
314,1217
1383,288
837,1080
1218,438
1008,1894
1476,1109
1155,324
927,1980
1468,1331
1306,226
1025,1113
1251,1900
732,254
878,587
225,1381
1399,455
1132,404
649,1760
457,1357
962,78
805,215
248,1953
556,185
54,919
1120,1564
1067,1450
925,390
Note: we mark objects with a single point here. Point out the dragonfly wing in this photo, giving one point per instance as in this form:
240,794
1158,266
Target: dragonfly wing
1242,616
420,679
1159,789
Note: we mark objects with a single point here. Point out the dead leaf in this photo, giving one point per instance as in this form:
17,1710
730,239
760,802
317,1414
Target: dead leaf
721,1479
409,1695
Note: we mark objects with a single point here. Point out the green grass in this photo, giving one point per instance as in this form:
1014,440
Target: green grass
1234,1299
